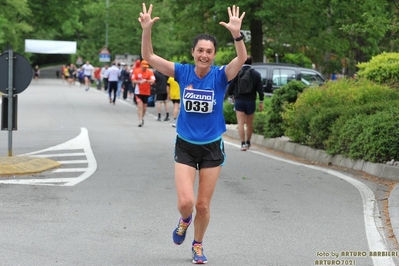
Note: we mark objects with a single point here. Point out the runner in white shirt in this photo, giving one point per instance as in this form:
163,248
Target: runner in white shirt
87,72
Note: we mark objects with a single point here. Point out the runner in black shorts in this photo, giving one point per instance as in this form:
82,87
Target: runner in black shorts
144,99
161,94
201,123
200,156
161,97
245,103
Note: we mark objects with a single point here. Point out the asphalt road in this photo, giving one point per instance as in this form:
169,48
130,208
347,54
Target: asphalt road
116,204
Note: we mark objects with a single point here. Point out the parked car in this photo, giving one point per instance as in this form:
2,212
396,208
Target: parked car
275,75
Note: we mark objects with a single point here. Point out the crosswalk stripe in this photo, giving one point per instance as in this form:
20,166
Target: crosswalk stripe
48,181
73,162
58,155
69,170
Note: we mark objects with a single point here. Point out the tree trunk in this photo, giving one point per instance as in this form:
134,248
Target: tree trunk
256,49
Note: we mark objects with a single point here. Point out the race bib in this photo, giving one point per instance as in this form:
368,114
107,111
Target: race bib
198,101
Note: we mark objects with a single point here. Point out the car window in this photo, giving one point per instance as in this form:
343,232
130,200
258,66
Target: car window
282,76
310,78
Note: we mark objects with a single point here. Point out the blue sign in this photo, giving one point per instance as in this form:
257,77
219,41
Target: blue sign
105,58
105,55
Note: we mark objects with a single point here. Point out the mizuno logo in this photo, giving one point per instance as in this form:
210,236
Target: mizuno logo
191,95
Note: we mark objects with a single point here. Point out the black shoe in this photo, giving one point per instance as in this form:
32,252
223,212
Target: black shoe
166,119
159,119
248,143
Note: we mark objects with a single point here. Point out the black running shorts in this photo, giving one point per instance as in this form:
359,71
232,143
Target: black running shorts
143,98
247,107
200,155
161,97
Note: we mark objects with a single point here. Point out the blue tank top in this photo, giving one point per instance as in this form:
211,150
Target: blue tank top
201,118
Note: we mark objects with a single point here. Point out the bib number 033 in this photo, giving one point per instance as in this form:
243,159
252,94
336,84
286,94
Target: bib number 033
198,101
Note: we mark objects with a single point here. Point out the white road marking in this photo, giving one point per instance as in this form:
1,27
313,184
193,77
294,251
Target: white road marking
69,170
57,155
73,162
372,221
82,141
47,181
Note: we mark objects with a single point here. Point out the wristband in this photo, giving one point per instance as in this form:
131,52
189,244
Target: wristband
239,38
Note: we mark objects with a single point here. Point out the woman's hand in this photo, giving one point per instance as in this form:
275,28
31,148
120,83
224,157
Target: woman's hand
234,25
145,18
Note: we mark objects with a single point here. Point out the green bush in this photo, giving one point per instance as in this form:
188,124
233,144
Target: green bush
357,118
273,126
259,122
309,119
336,142
229,113
320,126
373,138
382,69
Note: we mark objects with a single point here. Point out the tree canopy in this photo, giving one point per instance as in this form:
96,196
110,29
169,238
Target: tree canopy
332,34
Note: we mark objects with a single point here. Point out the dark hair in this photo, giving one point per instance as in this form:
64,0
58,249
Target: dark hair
205,37
249,60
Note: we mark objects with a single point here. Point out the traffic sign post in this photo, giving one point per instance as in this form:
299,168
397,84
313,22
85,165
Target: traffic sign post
15,76
6,115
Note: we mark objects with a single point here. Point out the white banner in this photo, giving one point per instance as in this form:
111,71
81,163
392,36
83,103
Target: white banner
50,47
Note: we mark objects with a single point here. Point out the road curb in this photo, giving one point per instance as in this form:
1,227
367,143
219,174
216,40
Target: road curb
316,155
19,165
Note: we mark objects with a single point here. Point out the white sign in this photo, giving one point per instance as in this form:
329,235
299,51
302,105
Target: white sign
50,47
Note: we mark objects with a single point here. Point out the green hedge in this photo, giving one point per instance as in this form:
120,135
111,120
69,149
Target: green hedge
320,116
373,138
273,126
229,113
382,69
357,118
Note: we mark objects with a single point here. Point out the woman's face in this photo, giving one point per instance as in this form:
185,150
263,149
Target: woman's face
203,53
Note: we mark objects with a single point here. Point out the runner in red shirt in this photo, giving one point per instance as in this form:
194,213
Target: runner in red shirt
97,76
144,78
